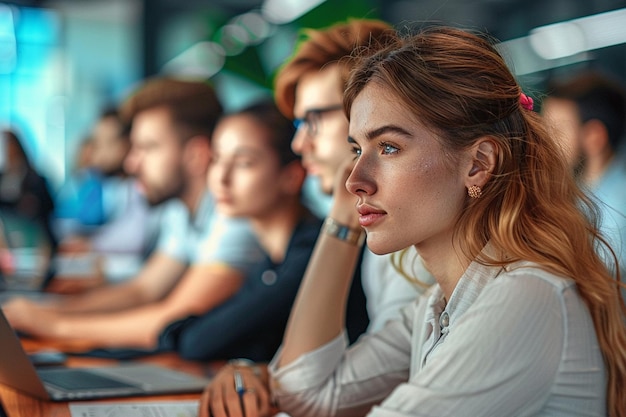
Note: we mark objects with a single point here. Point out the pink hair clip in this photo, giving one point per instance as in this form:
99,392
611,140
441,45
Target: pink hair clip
526,102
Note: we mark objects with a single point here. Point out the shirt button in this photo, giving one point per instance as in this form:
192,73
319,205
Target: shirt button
444,320
269,277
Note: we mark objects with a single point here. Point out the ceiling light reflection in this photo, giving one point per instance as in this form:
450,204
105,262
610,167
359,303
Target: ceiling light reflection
285,11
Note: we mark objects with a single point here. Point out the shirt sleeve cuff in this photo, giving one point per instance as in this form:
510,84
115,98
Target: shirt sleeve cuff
309,370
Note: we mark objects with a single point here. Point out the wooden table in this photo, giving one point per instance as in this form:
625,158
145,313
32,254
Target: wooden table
18,404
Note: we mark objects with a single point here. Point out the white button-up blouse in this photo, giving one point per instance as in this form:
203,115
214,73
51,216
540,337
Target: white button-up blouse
515,341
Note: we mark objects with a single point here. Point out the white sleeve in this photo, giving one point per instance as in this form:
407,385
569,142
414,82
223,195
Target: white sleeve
333,381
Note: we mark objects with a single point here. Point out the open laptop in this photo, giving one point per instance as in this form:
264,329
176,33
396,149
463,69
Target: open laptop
65,384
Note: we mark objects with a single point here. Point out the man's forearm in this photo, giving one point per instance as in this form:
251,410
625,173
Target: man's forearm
136,328
103,299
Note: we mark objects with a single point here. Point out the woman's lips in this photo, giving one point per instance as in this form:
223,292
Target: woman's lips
223,200
368,216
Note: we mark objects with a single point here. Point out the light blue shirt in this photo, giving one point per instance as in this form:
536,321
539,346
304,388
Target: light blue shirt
611,191
207,237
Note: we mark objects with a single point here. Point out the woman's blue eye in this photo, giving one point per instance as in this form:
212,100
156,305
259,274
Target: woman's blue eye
389,149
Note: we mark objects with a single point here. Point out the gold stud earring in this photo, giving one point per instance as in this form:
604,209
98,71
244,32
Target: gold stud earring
474,191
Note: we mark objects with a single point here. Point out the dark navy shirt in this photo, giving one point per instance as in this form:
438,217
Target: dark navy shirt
251,323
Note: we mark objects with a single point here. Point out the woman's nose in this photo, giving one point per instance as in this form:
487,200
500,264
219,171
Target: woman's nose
359,181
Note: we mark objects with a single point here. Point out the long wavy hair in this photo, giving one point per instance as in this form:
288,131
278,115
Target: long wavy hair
459,86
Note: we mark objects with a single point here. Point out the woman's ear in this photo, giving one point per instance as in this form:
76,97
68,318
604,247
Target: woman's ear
292,178
484,156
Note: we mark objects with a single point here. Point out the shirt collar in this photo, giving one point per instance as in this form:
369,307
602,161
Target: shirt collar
467,290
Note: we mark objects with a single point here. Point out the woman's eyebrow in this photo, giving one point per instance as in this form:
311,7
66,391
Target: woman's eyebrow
373,134
246,151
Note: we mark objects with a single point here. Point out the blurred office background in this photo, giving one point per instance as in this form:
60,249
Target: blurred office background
63,61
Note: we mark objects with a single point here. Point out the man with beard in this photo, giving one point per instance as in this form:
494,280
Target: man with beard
200,259
588,113
101,211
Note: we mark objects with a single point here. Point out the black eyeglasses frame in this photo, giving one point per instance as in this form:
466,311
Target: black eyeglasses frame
312,117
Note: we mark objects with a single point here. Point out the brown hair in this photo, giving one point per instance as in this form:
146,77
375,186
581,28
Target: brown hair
319,48
12,136
193,105
280,129
458,85
596,96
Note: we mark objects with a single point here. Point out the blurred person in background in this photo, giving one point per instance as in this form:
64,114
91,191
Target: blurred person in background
24,192
101,210
255,175
66,197
26,208
80,204
309,90
588,113
201,258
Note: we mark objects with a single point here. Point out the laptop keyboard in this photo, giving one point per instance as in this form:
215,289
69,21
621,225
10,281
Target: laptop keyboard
71,379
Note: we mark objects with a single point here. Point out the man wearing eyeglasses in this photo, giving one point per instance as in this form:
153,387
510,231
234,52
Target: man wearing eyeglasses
319,152
309,90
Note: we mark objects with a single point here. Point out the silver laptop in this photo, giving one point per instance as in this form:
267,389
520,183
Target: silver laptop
65,384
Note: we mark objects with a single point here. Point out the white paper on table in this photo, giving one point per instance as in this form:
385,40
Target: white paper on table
139,409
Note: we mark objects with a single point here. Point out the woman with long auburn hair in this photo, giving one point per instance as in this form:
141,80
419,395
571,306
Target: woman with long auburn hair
525,318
